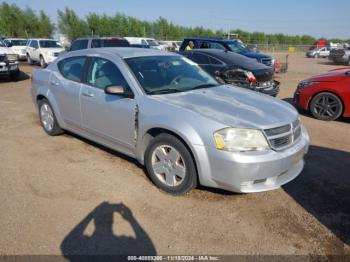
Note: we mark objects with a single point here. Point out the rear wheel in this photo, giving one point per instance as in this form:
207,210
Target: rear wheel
170,165
48,119
326,106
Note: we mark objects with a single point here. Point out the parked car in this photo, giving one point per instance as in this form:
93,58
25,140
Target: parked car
235,46
9,65
173,117
319,44
43,51
151,42
97,42
326,96
341,56
318,52
236,69
170,45
18,46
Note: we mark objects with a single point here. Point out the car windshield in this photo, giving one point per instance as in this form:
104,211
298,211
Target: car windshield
169,74
18,42
49,44
237,47
151,42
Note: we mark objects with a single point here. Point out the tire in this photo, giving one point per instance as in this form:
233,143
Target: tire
326,106
48,119
170,165
317,56
29,60
42,62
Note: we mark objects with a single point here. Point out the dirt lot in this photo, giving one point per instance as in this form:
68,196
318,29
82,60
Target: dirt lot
55,191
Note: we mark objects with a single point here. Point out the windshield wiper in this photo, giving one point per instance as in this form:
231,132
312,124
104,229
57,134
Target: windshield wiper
164,91
203,86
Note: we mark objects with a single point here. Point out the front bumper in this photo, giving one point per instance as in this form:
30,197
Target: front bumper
248,172
8,67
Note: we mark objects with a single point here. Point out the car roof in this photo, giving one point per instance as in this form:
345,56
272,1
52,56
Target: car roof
100,37
226,56
124,52
211,39
48,39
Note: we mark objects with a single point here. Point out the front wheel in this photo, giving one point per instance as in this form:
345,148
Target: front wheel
42,62
170,165
30,60
326,106
48,119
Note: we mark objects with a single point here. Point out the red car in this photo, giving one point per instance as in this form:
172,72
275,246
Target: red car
326,96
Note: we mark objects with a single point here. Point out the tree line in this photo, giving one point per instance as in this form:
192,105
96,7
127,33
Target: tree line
19,22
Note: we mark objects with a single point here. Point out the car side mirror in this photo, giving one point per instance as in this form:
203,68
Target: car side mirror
118,91
9,44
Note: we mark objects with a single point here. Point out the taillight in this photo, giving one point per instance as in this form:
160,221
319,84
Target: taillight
250,77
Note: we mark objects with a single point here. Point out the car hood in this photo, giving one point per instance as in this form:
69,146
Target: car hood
255,55
331,76
248,63
234,106
5,50
55,50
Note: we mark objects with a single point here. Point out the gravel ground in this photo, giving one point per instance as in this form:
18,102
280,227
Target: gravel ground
65,195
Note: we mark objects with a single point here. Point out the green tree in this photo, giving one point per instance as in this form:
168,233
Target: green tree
71,25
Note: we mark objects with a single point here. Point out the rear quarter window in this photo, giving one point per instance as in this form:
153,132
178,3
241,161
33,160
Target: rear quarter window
72,68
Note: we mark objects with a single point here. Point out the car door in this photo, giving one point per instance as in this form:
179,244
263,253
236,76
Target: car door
66,86
35,51
111,117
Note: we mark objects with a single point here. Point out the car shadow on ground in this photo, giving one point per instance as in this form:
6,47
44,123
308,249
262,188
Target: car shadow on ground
21,77
103,244
323,189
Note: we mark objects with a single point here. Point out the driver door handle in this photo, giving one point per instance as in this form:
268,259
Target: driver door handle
55,83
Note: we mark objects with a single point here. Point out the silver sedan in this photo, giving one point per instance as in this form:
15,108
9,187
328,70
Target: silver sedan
173,117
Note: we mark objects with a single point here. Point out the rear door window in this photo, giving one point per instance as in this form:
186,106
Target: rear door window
72,68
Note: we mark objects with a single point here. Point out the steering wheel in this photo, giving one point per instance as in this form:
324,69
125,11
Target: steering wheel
176,80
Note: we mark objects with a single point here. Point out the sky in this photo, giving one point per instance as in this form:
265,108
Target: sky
318,18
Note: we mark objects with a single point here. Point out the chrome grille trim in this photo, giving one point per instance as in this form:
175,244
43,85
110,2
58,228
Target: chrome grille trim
285,136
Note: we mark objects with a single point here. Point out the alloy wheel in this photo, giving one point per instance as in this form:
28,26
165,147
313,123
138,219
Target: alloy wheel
326,106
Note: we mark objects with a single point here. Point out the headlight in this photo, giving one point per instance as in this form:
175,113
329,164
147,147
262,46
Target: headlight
238,140
12,57
306,83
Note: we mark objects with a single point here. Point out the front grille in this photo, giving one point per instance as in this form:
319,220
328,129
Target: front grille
266,61
283,136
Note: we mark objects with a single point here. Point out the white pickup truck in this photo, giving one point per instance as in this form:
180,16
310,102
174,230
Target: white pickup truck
9,64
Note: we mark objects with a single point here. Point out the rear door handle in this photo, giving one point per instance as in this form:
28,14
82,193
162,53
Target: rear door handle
88,94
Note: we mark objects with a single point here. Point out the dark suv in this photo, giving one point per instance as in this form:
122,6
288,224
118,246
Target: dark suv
96,42
229,45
